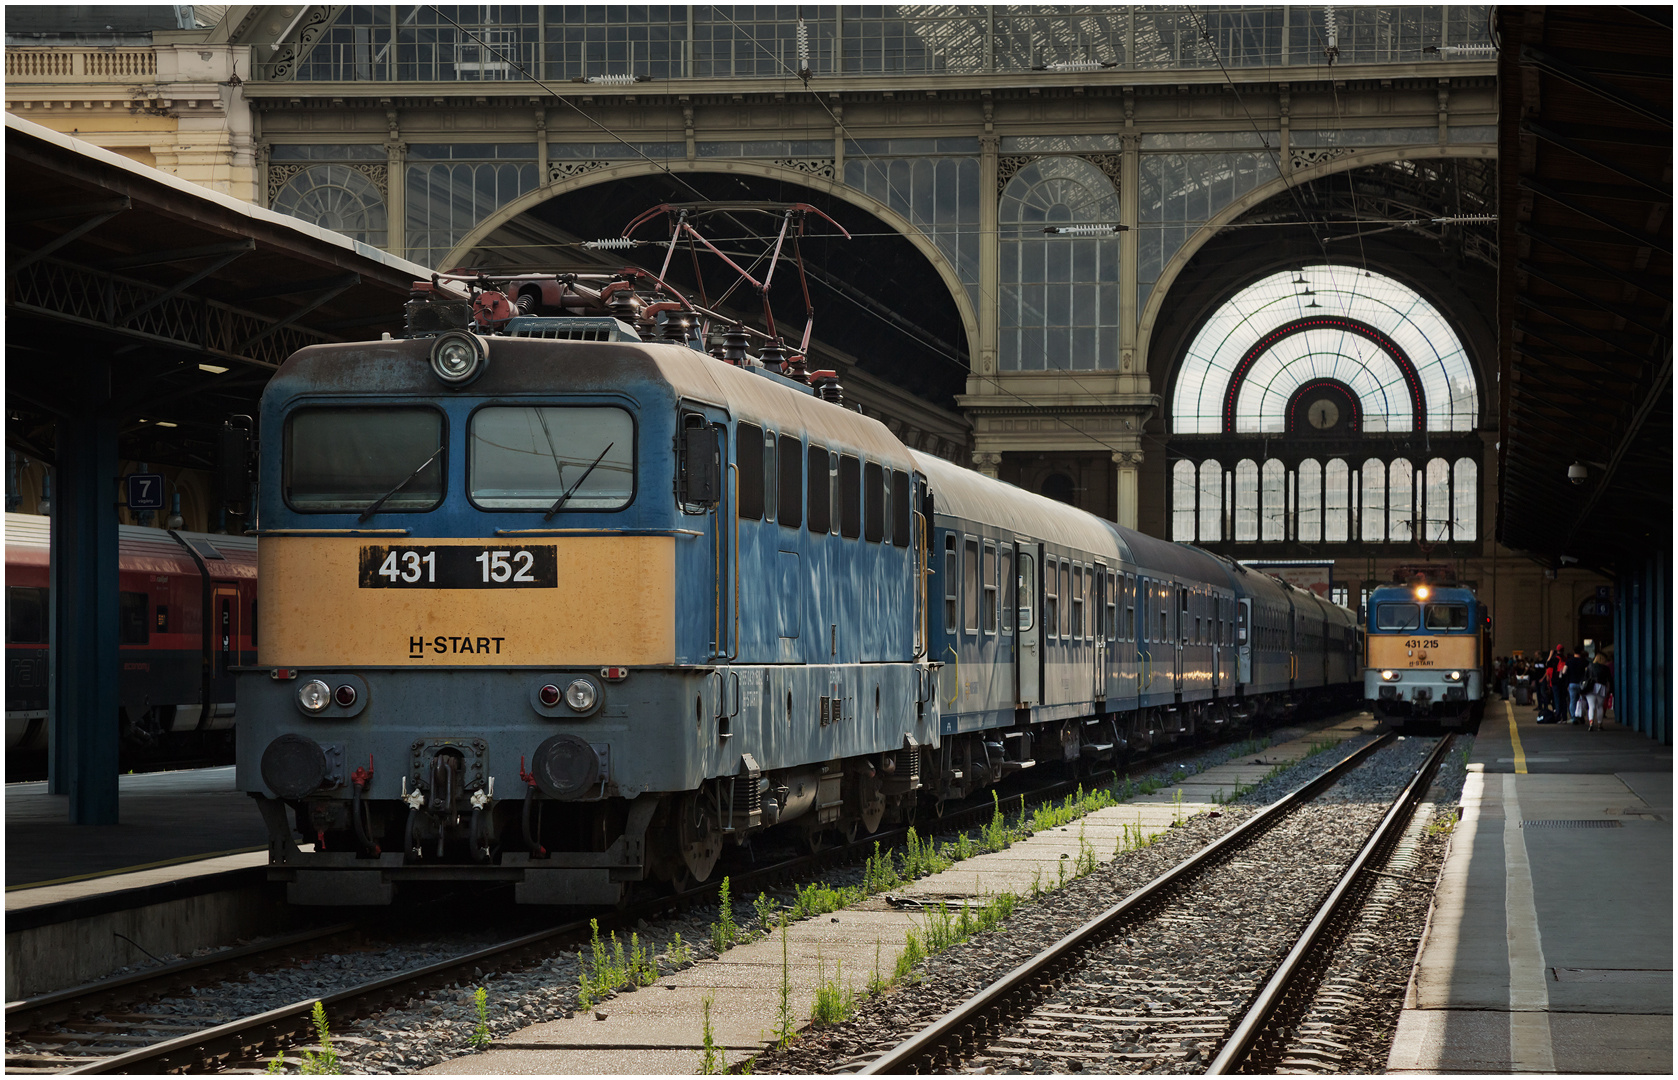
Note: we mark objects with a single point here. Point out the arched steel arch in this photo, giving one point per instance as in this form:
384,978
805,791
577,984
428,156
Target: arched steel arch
1412,381
1232,212
845,193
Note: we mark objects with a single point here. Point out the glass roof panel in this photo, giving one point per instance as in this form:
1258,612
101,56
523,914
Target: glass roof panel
1449,390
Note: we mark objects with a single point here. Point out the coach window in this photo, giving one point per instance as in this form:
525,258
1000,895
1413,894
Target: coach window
902,512
1112,606
133,618
874,502
1066,601
1088,593
989,582
791,482
26,615
970,585
1127,628
1078,603
748,458
850,497
345,460
1051,599
1024,595
949,584
1005,579
821,503
770,474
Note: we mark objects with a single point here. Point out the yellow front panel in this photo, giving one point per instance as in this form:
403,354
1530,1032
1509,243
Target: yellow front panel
1404,652
615,604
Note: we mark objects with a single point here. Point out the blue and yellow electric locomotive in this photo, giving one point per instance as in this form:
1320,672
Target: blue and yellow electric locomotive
572,605
1426,654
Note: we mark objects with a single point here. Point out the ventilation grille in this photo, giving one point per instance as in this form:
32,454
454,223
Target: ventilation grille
569,329
1579,823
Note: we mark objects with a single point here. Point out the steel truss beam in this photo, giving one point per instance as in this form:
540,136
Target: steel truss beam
70,293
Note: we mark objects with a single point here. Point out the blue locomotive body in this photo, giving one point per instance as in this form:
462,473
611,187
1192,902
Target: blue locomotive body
585,614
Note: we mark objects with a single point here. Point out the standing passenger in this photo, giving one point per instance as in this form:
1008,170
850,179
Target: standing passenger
1573,677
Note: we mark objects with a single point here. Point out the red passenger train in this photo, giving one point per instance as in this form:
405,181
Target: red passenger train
186,610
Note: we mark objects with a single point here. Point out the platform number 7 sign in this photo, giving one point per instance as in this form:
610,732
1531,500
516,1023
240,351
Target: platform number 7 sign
145,491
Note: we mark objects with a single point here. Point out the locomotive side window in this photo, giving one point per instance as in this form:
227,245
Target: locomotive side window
970,585
133,618
837,513
874,502
1051,599
850,497
902,517
26,615
1397,616
821,498
748,457
989,577
1446,617
949,584
770,502
548,458
792,482
347,460
1008,601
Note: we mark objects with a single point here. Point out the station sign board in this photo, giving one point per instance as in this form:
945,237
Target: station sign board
145,491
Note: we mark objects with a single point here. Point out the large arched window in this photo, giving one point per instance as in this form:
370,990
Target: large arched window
336,197
1059,304
1331,324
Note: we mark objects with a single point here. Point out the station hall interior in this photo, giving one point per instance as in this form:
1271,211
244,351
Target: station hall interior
1339,292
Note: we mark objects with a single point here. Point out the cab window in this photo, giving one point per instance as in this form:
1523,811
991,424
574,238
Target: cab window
551,458
1447,617
1397,616
339,460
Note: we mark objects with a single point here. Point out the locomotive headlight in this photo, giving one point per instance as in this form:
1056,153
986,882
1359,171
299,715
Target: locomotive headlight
1453,676
581,695
457,358
1391,676
314,696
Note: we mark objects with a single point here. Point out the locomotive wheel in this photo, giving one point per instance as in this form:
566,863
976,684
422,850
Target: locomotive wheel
698,835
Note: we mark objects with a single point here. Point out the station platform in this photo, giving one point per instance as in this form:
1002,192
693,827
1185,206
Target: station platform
1549,948
169,823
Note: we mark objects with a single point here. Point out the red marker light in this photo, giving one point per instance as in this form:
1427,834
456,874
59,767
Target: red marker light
614,674
344,696
548,695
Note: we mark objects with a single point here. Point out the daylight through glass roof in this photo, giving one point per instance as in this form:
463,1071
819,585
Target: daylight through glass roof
1289,329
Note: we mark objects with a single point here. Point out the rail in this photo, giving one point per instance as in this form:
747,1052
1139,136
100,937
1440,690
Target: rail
921,1051
1246,1033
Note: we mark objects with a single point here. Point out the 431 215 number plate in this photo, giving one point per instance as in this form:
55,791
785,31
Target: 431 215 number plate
403,566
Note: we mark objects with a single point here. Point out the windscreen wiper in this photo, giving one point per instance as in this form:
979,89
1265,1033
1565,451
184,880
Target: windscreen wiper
559,502
371,510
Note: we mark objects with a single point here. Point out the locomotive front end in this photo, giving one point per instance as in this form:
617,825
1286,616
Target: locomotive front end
1425,655
472,662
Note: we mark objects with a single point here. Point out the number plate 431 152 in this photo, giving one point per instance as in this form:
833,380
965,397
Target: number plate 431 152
459,567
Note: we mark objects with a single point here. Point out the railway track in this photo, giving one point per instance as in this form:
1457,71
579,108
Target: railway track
1171,981
110,1026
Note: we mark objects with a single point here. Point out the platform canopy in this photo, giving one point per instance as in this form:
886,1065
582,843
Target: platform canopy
1585,281
195,297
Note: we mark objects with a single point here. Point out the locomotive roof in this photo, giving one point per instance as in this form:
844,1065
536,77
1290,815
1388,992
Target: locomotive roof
529,365
964,493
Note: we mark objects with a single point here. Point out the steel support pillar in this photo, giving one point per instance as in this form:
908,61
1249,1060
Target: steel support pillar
84,742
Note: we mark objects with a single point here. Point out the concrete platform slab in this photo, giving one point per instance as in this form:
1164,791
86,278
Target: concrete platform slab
1550,942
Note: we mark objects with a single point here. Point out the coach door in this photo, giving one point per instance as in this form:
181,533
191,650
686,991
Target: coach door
1098,596
1180,632
1028,665
224,643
